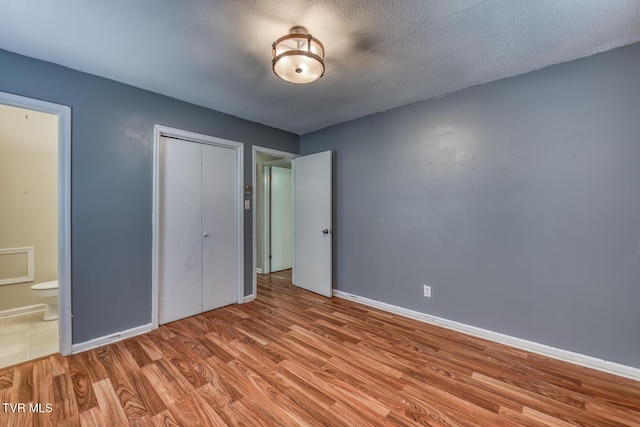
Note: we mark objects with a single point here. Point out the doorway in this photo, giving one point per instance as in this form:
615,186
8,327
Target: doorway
312,230
35,249
275,213
265,237
198,223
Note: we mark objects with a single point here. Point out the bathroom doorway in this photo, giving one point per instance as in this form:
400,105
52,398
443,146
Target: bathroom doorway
34,249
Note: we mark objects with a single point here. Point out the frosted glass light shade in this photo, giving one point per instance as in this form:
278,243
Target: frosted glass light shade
298,58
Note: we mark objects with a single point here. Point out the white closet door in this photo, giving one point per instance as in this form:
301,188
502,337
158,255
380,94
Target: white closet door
180,242
281,219
219,213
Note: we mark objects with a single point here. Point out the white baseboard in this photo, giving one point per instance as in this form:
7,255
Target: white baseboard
109,339
259,270
545,350
249,298
21,310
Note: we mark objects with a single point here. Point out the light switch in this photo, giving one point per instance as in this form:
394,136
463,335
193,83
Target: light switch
247,204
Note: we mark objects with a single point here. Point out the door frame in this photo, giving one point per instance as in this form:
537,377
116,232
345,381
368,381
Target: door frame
63,113
271,152
159,131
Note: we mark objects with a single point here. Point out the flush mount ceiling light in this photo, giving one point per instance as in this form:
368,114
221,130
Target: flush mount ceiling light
298,57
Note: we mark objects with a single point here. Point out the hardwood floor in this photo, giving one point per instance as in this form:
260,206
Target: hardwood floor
296,358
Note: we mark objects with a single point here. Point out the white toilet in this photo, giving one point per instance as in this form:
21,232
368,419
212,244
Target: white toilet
47,293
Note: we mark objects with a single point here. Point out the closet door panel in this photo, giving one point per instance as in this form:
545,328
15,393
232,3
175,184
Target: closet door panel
219,229
180,243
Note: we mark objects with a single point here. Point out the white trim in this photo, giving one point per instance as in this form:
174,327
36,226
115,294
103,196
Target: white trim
533,347
259,270
111,338
249,298
266,219
21,310
271,152
158,132
64,207
30,277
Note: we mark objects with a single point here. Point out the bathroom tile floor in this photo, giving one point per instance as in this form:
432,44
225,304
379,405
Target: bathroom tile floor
26,337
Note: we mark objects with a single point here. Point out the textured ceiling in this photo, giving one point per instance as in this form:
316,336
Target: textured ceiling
380,53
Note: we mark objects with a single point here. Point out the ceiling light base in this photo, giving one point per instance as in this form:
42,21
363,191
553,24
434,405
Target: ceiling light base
298,29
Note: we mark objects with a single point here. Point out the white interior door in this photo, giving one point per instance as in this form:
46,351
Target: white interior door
219,213
281,219
180,243
313,223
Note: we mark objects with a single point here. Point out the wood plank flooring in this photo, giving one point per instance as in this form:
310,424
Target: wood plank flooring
295,358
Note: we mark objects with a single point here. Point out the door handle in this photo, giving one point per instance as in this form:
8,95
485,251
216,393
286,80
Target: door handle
205,235
327,231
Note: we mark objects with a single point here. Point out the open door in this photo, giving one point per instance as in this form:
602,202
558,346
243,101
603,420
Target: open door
312,269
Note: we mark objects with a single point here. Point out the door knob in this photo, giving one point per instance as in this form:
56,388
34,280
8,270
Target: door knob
327,231
205,235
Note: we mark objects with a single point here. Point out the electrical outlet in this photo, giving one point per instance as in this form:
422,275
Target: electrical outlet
427,291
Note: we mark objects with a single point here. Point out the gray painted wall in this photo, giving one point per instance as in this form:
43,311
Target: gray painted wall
111,188
518,201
